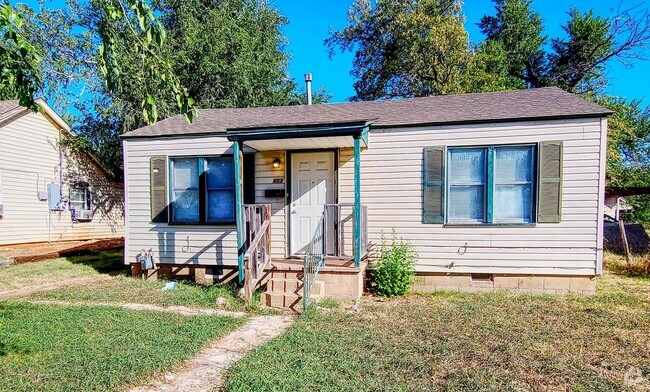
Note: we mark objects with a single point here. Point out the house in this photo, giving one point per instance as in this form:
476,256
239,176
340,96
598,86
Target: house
495,191
50,191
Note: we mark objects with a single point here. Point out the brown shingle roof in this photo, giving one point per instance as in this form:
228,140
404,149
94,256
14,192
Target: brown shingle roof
520,105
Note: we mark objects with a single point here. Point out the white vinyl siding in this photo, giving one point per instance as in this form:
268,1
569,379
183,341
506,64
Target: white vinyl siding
206,244
391,188
29,160
268,177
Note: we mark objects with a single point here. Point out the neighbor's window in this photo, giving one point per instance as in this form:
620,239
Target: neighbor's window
203,190
79,197
490,185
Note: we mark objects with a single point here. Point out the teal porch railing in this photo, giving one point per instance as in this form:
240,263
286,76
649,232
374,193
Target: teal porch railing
313,262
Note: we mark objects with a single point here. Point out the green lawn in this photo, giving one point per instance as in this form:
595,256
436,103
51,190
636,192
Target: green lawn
28,274
123,289
464,342
60,348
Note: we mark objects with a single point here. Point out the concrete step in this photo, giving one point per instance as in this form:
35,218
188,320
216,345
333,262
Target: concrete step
283,301
293,286
282,286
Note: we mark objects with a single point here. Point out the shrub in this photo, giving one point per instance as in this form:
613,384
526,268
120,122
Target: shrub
393,270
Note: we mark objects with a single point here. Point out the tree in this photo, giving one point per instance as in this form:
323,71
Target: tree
488,70
519,30
240,63
628,151
68,54
19,75
404,48
628,142
577,62
131,26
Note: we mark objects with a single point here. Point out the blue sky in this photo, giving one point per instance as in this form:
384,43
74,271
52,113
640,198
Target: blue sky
311,20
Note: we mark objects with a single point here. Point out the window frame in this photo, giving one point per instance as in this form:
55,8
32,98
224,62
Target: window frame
203,191
86,192
490,185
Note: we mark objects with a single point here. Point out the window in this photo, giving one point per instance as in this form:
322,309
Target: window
79,197
203,190
185,190
220,190
467,180
490,185
513,184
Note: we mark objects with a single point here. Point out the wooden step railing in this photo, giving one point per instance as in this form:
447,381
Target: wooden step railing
258,246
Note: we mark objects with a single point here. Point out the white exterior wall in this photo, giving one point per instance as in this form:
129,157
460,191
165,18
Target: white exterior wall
172,244
391,181
265,174
29,160
391,187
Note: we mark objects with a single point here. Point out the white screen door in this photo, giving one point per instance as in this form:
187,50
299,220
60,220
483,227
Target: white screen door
312,186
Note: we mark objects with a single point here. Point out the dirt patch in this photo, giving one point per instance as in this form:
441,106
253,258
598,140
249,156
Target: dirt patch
28,290
25,253
180,310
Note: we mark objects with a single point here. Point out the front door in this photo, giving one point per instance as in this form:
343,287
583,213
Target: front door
312,186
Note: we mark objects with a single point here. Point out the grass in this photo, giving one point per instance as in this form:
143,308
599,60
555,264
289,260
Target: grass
61,348
465,342
122,289
28,274
639,264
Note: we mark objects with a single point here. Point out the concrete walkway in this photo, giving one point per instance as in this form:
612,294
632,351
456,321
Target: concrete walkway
181,310
205,371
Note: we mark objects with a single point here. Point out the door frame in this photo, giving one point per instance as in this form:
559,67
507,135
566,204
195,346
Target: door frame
289,180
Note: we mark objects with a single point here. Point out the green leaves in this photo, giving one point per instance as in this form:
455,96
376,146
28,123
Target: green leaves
577,62
393,271
19,60
405,48
132,22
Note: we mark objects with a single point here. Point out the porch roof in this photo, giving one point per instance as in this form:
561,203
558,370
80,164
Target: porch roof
314,136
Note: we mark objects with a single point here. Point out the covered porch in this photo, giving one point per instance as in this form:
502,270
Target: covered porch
323,229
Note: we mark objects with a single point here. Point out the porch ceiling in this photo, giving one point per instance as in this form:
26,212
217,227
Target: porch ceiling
306,143
319,136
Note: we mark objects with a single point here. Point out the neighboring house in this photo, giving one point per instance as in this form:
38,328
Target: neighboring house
498,190
49,192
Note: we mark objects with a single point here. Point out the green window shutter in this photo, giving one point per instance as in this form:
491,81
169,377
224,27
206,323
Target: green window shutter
158,175
549,190
434,185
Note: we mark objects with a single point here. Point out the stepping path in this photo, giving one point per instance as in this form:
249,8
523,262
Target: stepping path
181,310
28,290
205,371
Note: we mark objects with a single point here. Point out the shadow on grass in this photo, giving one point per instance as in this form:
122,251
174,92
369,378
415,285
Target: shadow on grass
109,262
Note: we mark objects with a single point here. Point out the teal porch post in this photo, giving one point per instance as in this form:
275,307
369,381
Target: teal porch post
239,207
357,201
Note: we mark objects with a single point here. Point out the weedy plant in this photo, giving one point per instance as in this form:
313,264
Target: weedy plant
393,271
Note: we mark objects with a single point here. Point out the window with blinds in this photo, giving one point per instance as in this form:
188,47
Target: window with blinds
491,184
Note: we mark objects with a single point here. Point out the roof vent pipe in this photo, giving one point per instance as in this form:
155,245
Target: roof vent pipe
308,83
